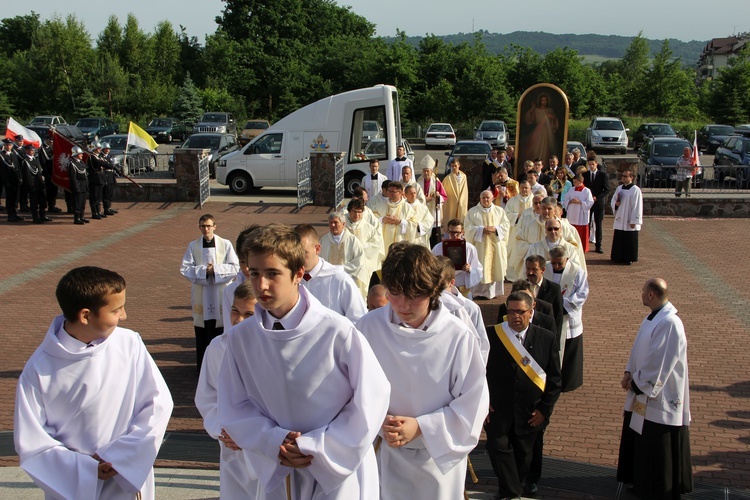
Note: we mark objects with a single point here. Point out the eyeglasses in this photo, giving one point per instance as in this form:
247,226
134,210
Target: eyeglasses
518,312
455,233
553,229
205,226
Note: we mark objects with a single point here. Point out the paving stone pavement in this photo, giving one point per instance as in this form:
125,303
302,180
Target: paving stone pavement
145,242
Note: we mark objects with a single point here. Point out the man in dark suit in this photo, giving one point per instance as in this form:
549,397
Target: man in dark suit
598,183
545,289
542,316
523,375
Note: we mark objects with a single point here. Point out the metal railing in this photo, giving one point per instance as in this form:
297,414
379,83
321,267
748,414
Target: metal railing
339,182
146,165
304,183
715,178
204,175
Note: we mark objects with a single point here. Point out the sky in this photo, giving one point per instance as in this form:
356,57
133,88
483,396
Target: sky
681,19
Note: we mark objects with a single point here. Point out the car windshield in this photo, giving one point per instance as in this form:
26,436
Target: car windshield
41,120
375,149
608,125
370,126
159,122
88,123
669,148
492,126
440,127
256,125
747,147
471,149
660,130
202,142
720,130
214,118
117,142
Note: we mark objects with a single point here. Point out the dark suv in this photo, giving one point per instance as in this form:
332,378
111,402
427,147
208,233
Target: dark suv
710,137
733,152
658,159
651,130
221,123
167,129
94,128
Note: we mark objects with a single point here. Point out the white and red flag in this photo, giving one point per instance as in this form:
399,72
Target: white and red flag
29,136
696,154
61,147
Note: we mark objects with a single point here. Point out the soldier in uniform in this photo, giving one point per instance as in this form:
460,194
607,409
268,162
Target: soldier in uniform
96,181
10,172
110,178
79,184
33,179
46,159
23,198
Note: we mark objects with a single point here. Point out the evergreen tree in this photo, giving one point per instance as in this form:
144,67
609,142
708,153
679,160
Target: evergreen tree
187,106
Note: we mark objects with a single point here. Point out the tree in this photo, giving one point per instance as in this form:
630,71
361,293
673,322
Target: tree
665,89
17,33
187,106
88,105
729,93
166,58
632,69
110,40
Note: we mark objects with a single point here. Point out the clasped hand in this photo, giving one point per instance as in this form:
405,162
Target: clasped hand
398,431
290,454
105,470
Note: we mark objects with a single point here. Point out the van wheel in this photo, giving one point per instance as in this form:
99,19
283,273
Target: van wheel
240,183
351,182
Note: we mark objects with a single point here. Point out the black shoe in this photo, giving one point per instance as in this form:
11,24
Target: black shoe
96,216
24,209
37,221
86,221
114,211
47,219
2,208
102,215
109,212
531,489
480,297
78,221
599,250
54,210
15,218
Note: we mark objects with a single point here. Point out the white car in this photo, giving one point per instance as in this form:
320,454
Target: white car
607,133
440,135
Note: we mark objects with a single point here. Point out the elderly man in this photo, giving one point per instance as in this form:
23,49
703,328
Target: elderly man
397,217
575,290
471,273
655,444
552,239
517,204
422,216
684,172
523,373
369,236
341,248
377,297
407,179
487,227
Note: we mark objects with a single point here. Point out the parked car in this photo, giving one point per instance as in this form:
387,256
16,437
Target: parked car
573,145
167,130
376,149
479,148
735,150
493,131
440,135
218,144
607,133
136,159
70,131
647,130
94,128
218,122
742,130
657,159
252,129
371,129
49,120
710,137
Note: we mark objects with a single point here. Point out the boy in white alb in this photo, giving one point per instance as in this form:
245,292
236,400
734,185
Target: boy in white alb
91,405
436,409
300,390
236,478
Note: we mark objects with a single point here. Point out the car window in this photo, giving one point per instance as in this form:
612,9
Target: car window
214,118
608,125
669,148
88,123
440,128
492,126
117,142
256,125
268,144
230,141
722,130
729,143
471,149
202,142
747,146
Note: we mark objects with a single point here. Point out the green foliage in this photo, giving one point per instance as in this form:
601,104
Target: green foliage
89,105
17,33
187,106
728,97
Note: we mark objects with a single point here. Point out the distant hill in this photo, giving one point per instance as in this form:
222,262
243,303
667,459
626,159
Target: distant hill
593,47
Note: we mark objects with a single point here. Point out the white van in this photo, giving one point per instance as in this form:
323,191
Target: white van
334,124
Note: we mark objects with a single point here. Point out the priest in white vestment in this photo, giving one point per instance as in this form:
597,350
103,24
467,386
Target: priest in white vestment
330,284
575,290
397,217
627,205
422,216
398,163
487,229
367,234
408,179
91,405
457,189
435,416
553,239
372,182
516,246
341,248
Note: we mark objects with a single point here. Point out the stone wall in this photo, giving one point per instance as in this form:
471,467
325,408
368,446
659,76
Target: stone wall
323,178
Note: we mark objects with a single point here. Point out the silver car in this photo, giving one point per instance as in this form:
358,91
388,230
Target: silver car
494,132
607,134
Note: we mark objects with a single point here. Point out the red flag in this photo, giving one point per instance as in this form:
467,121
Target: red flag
29,136
61,147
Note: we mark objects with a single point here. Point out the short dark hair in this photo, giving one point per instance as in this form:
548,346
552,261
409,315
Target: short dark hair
244,291
358,191
538,259
385,184
411,270
396,184
519,285
206,217
86,288
374,160
307,231
520,296
356,204
243,235
456,222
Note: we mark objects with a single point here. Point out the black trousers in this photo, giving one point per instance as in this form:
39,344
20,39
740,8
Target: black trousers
95,197
38,202
597,215
510,456
203,337
537,456
79,202
107,190
50,189
11,197
23,198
